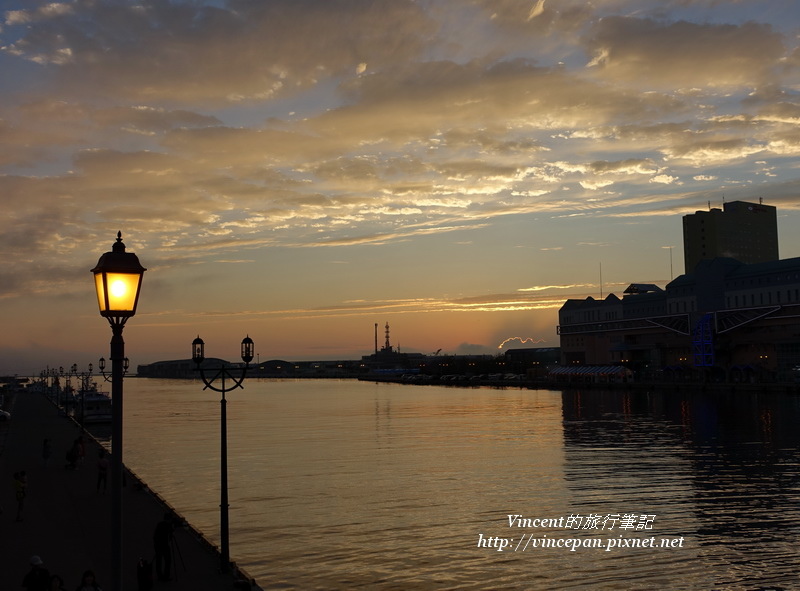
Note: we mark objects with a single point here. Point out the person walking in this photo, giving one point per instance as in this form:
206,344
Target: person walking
81,448
162,538
21,491
38,578
72,456
47,451
102,470
88,582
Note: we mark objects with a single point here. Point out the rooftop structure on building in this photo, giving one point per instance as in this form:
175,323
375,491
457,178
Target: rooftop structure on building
725,319
747,232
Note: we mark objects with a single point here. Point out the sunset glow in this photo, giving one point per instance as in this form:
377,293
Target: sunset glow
301,171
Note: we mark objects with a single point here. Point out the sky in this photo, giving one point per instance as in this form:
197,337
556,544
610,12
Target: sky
301,170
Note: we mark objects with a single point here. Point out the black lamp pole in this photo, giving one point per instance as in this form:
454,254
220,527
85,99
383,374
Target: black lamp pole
60,387
223,373
118,277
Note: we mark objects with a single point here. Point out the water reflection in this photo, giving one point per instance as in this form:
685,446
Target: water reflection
721,469
352,485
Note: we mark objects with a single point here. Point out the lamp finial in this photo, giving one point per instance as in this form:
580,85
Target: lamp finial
119,246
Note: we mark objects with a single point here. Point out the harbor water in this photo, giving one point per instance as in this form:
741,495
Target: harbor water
340,484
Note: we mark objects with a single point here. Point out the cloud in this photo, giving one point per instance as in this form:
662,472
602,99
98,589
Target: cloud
681,54
212,131
546,287
208,54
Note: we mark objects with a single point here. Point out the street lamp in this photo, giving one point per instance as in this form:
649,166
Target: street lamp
60,387
86,383
125,365
198,355
117,279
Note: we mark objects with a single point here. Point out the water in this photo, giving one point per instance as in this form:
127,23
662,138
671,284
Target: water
355,485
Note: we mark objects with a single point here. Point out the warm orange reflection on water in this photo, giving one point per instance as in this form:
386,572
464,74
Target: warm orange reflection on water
355,485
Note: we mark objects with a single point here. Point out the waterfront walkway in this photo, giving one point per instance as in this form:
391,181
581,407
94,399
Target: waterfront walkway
68,523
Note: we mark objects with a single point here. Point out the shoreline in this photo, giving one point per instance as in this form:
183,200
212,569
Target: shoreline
66,521
724,388
133,479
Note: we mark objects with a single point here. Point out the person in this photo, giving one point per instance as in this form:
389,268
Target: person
162,538
144,575
21,491
56,583
38,578
88,582
81,447
47,451
72,456
102,469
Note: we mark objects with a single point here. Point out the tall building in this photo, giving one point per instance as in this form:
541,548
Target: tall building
747,232
732,318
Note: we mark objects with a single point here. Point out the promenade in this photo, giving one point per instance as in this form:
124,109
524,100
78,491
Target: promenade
68,523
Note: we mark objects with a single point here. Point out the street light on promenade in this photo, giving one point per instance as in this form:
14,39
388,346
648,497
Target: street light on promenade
86,383
223,373
102,362
61,383
117,278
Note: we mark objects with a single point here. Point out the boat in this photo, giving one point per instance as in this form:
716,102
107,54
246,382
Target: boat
93,406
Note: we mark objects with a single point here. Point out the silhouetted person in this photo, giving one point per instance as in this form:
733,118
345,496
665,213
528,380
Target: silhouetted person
56,584
88,582
72,455
47,451
144,575
81,448
102,470
162,539
21,491
38,578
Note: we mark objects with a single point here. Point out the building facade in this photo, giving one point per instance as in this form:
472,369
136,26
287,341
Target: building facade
747,232
724,322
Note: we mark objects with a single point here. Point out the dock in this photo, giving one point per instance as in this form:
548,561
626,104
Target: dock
67,522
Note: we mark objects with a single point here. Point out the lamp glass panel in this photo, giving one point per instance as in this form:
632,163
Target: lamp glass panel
101,291
122,289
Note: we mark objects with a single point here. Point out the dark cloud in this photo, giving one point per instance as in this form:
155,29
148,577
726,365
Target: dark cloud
194,53
666,54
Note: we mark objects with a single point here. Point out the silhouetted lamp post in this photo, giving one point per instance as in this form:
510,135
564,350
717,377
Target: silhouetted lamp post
125,365
223,373
60,388
117,278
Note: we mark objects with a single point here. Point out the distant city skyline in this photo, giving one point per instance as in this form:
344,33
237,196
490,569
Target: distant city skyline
298,172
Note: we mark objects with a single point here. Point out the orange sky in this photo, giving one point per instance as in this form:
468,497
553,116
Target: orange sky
301,171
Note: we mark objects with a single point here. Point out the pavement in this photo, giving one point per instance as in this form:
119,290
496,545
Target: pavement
67,523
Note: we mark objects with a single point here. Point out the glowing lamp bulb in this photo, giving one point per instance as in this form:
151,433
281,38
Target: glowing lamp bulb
118,288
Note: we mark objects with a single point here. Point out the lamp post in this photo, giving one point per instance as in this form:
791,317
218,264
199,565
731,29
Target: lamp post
69,400
223,373
117,279
125,364
86,383
59,387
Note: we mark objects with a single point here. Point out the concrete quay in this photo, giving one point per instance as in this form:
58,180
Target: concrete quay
67,523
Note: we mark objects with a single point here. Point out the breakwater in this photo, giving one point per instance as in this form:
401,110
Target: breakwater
66,518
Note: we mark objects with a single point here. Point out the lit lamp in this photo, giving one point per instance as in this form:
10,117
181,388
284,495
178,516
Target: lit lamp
224,374
117,279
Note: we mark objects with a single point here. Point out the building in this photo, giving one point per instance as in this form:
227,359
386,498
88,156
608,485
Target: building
725,320
178,368
747,232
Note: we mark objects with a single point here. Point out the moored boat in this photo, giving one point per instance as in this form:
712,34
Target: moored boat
93,406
